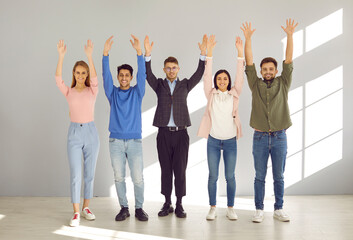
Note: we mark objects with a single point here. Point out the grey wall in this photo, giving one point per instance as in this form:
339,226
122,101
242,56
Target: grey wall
34,114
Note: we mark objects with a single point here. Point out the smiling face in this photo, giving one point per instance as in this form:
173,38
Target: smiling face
80,74
268,71
124,78
222,81
171,70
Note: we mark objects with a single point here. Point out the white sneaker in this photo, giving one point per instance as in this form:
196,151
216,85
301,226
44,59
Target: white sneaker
281,215
212,214
231,214
258,216
86,213
75,220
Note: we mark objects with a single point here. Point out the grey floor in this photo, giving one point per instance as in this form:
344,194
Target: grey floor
312,217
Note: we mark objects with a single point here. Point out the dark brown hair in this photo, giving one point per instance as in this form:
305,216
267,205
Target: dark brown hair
267,60
171,59
215,78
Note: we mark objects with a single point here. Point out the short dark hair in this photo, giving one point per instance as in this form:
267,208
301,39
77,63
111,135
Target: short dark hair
267,60
172,60
126,67
215,78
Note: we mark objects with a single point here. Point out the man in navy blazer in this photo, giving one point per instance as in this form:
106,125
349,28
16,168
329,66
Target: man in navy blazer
172,119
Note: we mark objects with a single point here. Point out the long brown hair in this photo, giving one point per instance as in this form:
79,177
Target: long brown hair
88,79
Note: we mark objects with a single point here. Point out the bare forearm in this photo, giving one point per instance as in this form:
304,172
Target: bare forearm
59,67
289,49
92,69
248,52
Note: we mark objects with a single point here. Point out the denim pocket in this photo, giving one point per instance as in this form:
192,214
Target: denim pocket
112,139
281,136
138,140
258,135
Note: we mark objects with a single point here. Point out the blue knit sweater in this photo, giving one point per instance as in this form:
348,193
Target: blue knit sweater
125,105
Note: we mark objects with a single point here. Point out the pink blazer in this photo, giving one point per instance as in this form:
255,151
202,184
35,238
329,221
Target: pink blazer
205,126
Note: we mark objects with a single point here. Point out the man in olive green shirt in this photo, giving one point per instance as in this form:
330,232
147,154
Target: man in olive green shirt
270,119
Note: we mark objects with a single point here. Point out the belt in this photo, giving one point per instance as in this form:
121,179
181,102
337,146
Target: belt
272,133
174,129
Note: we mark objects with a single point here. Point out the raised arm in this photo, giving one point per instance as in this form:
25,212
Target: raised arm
196,77
151,78
62,51
290,28
248,50
89,51
61,47
136,45
92,70
107,76
141,71
239,78
207,76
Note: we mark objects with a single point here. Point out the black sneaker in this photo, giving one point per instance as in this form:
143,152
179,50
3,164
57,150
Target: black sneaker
123,214
141,215
179,211
166,209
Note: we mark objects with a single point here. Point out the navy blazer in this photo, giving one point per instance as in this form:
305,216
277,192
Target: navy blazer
178,99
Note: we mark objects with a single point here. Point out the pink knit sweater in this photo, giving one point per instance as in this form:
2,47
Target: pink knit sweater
81,104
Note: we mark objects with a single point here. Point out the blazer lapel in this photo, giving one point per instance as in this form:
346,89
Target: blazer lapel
166,85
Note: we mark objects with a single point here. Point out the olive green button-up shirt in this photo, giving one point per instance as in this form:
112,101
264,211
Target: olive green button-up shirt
270,111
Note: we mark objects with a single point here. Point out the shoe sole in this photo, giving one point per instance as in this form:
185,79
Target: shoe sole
257,221
118,220
171,210
89,219
280,219
211,219
232,219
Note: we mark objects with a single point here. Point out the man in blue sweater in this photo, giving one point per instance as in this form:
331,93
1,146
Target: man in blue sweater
125,142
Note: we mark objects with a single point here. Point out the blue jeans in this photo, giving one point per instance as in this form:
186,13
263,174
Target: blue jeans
265,144
214,147
130,150
82,138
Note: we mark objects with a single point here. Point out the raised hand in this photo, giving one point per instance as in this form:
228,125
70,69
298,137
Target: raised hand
61,48
107,46
203,45
136,44
239,46
247,30
211,43
290,28
89,48
148,46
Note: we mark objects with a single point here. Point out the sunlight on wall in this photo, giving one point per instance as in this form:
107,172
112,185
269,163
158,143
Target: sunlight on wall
2,216
323,85
323,153
324,30
323,118
105,234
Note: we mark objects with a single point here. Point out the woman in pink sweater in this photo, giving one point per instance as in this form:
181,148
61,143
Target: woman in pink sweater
82,135
221,125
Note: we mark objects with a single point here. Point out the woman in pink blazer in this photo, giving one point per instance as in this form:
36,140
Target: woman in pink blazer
221,125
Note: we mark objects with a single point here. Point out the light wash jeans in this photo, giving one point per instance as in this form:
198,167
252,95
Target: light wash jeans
82,138
130,150
214,147
265,144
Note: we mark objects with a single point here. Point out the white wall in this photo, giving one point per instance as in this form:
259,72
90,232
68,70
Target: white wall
34,114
